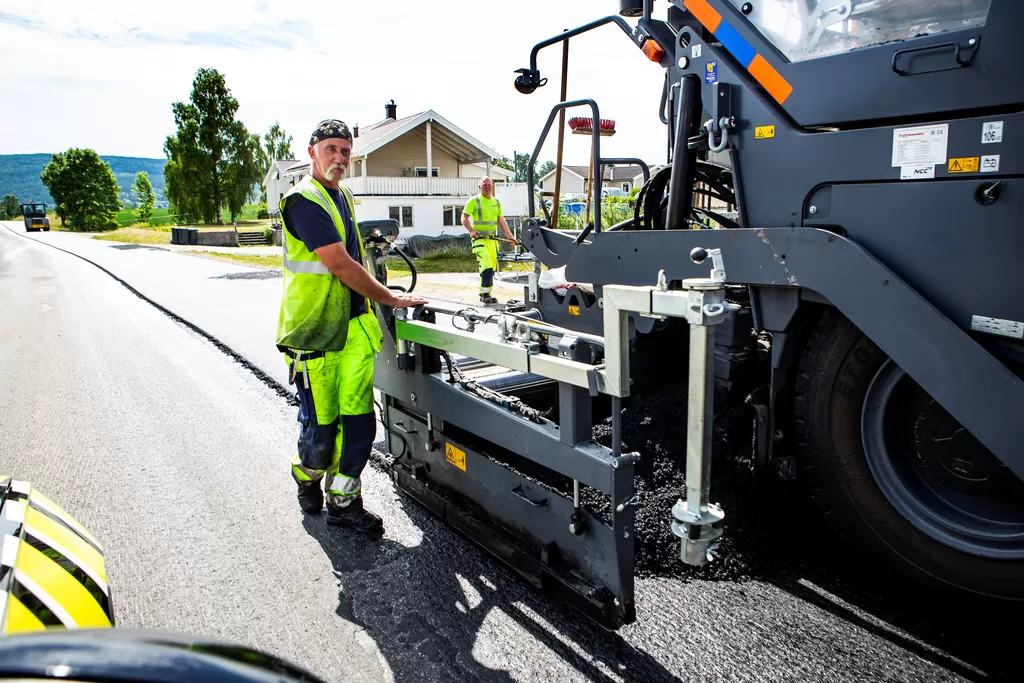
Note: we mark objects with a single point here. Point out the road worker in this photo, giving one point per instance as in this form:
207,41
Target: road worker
481,217
329,334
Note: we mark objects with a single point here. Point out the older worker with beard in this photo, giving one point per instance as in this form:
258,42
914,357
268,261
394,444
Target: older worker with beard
329,334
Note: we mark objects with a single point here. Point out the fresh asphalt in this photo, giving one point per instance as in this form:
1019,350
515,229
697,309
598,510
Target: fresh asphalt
141,391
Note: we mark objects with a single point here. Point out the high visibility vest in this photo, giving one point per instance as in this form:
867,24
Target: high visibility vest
316,306
485,218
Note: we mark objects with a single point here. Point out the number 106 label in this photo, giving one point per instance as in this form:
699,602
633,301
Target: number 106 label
991,131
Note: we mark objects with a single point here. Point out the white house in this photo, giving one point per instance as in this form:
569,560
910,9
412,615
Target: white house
574,179
278,181
389,178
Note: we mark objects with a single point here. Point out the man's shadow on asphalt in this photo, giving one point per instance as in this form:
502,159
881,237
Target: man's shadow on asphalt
425,606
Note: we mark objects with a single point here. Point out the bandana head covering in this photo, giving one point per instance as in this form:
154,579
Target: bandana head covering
330,128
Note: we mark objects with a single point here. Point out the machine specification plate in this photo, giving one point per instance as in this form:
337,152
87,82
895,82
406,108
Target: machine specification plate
1004,328
920,146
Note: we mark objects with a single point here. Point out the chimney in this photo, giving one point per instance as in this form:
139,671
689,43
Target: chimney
355,131
391,111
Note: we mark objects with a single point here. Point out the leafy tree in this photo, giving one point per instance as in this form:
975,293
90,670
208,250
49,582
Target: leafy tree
277,143
58,183
144,196
11,208
503,162
522,163
84,188
246,170
206,158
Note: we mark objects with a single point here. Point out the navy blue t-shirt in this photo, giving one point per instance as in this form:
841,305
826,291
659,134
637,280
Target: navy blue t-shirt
307,221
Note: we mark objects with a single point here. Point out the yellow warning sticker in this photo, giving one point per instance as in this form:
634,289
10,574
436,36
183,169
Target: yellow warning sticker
455,456
574,310
964,165
763,132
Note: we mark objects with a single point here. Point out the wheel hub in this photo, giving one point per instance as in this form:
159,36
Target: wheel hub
936,473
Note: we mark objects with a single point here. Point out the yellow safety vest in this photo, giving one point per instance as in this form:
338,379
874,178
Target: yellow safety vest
316,306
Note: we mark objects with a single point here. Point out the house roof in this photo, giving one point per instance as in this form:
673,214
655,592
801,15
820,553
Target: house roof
278,168
464,147
447,136
611,173
495,170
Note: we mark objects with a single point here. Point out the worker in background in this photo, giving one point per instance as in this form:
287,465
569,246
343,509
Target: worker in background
481,218
329,334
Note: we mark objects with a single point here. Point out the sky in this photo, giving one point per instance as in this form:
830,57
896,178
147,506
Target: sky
104,74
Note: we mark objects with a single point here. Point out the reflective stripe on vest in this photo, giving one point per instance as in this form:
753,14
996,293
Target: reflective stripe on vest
305,267
480,219
315,306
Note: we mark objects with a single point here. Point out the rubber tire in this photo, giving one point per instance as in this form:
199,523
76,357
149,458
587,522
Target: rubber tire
836,368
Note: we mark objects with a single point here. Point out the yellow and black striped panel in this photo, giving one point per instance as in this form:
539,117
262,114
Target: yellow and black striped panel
52,573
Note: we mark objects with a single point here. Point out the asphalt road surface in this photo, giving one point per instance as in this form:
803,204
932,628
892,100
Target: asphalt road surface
175,455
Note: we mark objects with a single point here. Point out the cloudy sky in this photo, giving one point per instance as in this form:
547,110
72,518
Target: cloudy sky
103,74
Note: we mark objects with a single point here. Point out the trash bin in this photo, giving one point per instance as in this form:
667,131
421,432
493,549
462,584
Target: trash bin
193,235
175,235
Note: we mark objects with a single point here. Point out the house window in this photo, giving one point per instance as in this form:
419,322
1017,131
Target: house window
626,187
421,172
452,216
402,214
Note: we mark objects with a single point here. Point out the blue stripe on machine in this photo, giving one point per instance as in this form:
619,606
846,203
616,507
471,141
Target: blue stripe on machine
735,44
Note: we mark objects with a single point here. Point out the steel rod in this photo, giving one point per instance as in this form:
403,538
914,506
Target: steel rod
561,136
700,408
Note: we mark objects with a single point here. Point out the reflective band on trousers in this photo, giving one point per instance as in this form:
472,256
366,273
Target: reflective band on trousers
340,485
305,267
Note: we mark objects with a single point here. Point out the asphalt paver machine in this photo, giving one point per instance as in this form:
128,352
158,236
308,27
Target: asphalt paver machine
836,243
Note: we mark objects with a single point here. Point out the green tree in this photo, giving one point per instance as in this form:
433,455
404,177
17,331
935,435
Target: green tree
522,163
203,170
84,188
245,170
503,162
144,196
11,208
58,183
276,145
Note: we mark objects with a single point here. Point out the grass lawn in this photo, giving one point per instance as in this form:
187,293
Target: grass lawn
271,261
438,262
435,263
137,236
140,235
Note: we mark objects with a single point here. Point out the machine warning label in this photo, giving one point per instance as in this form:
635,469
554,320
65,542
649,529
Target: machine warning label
920,146
455,456
711,72
574,310
1003,328
695,51
990,163
917,172
763,132
991,131
963,165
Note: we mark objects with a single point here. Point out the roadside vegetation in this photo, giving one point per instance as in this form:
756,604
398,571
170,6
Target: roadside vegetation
447,260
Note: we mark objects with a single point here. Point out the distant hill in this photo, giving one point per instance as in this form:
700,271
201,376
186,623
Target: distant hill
19,175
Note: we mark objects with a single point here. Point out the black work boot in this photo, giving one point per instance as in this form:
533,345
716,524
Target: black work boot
311,497
355,517
487,299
